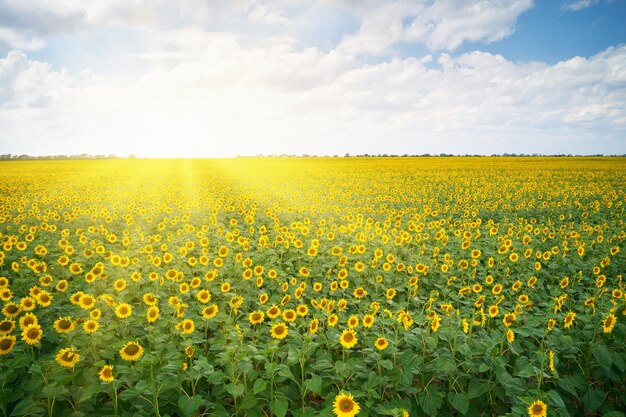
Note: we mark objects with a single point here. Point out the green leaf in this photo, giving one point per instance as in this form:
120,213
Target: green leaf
602,355
235,389
249,401
593,399
460,401
476,388
259,386
430,403
555,399
314,384
189,405
614,414
279,406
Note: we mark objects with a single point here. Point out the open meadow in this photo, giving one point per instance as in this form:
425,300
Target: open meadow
313,287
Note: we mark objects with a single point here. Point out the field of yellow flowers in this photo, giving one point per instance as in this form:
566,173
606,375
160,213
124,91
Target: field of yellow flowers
313,287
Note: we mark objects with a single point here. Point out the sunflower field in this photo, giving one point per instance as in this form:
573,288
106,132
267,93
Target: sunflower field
313,287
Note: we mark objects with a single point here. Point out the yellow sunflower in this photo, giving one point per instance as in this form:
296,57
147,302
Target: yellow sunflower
256,317
314,326
210,311
608,323
123,310
289,315
67,357
345,406
90,326
279,331
106,373
186,326
131,351
6,326
348,339
64,325
381,343
510,336
6,344
32,334
152,314
538,409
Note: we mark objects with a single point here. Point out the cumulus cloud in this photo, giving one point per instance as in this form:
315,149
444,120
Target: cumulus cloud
578,5
231,99
440,25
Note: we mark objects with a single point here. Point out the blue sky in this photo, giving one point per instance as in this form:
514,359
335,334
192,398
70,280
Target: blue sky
211,78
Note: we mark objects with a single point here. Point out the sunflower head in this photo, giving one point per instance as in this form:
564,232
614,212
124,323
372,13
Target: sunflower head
538,409
348,339
67,357
106,373
345,406
131,351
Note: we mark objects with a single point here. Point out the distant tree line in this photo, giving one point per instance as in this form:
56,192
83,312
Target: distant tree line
10,157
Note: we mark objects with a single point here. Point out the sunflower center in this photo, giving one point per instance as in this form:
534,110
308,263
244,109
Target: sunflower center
33,334
279,330
11,309
67,356
346,405
5,344
348,337
537,409
131,350
107,373
64,324
5,326
256,317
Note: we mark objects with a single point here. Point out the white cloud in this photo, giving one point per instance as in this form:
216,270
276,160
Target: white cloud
578,5
439,25
227,99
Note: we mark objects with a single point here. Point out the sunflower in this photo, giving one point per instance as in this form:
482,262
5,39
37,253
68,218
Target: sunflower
332,320
204,296
6,326
608,323
509,318
381,343
11,310
256,317
67,357
131,351
32,334
510,336
273,312
152,314
368,320
314,326
348,339
353,321
123,310
289,315
345,406
390,293
64,325
302,310
551,360
225,287
263,298
569,320
186,326
279,331
106,373
6,344
90,326
28,304
538,409
210,311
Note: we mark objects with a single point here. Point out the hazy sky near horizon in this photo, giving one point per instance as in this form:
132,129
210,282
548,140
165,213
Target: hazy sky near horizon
210,78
